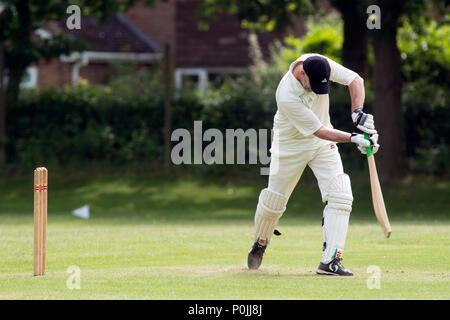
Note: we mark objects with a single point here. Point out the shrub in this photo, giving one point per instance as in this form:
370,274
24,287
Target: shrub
91,123
425,53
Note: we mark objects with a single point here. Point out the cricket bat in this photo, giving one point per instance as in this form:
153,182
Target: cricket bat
377,195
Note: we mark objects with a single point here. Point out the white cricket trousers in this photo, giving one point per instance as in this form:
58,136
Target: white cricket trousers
286,167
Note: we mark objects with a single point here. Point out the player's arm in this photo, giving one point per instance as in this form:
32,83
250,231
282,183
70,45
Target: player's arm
307,124
349,78
332,134
342,136
363,121
357,93
342,75
304,120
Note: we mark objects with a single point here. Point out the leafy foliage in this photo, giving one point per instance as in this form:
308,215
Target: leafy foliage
256,15
20,19
426,72
119,124
324,38
425,51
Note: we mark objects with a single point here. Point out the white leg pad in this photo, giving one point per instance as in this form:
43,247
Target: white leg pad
271,206
336,216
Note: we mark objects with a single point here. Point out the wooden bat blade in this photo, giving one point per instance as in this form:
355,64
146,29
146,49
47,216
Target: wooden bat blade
377,198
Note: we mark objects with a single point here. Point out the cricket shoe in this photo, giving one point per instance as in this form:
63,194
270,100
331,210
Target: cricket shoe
255,255
334,268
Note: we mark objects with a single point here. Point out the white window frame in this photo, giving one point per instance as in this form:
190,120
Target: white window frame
203,75
200,72
32,82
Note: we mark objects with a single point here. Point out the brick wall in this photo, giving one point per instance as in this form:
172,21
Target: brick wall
224,44
156,22
53,72
56,73
95,72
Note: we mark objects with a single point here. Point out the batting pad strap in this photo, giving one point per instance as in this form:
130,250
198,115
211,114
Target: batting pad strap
339,193
340,201
272,201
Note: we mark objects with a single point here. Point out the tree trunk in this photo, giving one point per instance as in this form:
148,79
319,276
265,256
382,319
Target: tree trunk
354,48
168,94
2,111
19,53
387,113
12,90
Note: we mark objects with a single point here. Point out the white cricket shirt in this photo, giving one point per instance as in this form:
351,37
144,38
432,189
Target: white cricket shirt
301,113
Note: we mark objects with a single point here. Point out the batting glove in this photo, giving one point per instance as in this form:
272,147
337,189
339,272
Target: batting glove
363,121
363,143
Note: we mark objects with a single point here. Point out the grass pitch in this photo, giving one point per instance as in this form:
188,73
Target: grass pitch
154,238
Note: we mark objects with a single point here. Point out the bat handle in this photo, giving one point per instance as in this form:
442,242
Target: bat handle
368,149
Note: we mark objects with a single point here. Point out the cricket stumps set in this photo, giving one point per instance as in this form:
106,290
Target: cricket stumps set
40,220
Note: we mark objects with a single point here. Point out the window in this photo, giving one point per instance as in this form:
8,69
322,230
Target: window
200,76
30,78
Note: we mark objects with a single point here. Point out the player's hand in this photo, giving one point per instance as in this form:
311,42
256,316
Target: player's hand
363,143
363,121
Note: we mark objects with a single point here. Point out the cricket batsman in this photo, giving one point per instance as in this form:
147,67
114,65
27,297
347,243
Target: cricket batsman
303,135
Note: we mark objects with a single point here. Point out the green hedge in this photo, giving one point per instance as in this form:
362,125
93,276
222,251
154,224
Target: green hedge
88,123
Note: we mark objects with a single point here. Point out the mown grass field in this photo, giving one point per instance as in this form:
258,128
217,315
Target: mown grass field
184,238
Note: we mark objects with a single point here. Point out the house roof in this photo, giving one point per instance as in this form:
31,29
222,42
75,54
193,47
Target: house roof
116,34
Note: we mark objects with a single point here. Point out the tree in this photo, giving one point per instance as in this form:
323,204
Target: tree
356,37
2,111
388,84
256,15
20,47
